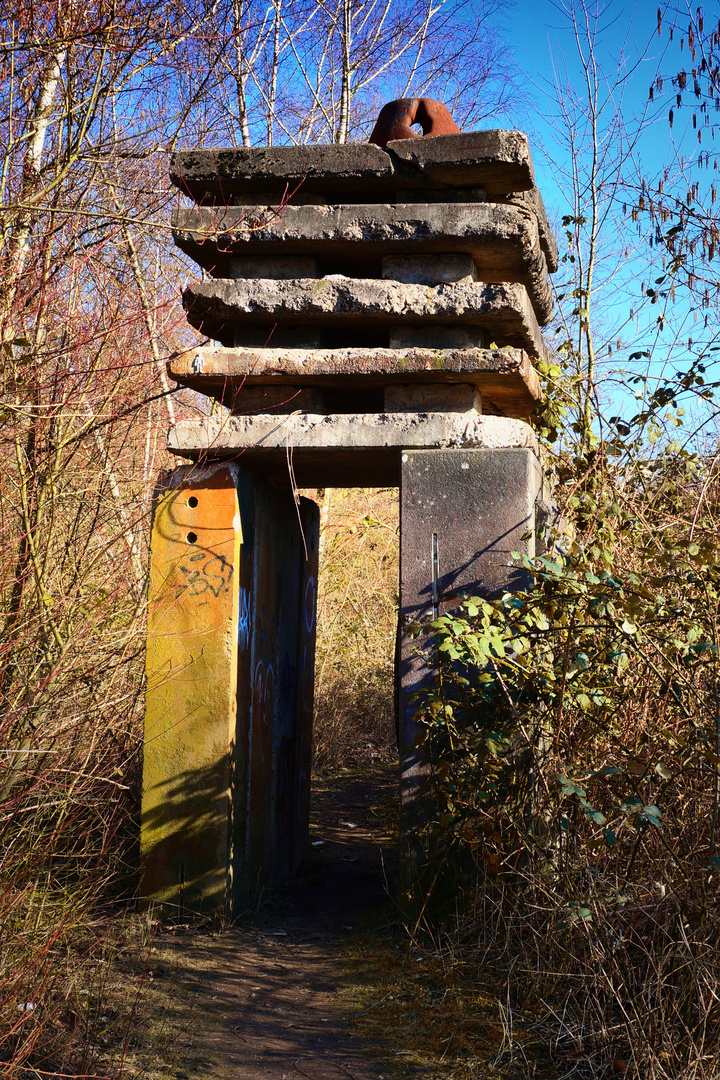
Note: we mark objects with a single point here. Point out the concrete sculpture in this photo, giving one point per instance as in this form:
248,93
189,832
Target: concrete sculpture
377,312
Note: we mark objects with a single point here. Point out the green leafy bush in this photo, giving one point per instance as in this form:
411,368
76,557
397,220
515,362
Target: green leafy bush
573,732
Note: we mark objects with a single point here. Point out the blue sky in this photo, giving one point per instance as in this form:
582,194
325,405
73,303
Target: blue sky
544,49
545,52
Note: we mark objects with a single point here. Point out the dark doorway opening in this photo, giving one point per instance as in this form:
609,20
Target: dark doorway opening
352,855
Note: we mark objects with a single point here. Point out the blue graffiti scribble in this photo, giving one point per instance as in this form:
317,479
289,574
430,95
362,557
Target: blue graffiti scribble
244,615
309,606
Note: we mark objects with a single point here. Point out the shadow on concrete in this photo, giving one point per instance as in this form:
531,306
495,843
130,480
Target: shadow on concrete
186,841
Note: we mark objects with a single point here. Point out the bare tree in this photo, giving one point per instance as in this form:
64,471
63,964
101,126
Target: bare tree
319,70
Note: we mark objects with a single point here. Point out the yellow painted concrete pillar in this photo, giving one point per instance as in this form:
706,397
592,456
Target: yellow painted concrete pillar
190,722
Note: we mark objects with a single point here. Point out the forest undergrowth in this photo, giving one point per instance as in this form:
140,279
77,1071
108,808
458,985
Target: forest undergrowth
569,919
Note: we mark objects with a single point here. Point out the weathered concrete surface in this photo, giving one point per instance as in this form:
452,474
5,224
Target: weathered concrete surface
275,642
191,687
219,175
480,501
428,269
506,378
533,200
277,266
480,505
351,450
252,265
503,240
283,398
498,161
220,307
230,652
411,336
432,397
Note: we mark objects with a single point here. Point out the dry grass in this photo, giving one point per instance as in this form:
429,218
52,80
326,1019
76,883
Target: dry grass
357,618
435,1007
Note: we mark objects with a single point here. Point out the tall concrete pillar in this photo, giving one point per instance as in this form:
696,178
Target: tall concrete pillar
275,686
462,515
190,716
231,624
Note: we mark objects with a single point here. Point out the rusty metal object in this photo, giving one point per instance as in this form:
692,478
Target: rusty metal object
397,117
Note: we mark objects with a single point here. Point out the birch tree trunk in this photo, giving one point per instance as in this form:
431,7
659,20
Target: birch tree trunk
29,189
241,72
345,93
272,94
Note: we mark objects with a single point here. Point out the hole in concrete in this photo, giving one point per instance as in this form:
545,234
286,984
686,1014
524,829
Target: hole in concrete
192,538
356,626
354,791
192,501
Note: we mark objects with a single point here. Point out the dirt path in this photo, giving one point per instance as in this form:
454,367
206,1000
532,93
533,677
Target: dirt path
262,1002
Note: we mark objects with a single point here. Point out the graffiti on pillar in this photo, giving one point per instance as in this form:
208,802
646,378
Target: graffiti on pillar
309,605
206,573
244,620
266,629
264,693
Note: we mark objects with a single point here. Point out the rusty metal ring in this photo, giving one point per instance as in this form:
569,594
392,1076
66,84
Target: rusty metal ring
397,117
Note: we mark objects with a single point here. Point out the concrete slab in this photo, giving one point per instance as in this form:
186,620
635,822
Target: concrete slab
496,160
533,200
433,397
506,378
351,450
529,200
503,240
480,503
220,308
428,269
220,175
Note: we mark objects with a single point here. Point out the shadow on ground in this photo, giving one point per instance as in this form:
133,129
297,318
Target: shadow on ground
268,998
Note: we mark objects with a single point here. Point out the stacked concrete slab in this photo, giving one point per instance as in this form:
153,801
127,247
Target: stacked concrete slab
374,316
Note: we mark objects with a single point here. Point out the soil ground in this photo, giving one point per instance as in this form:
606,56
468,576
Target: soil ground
322,982
265,1000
